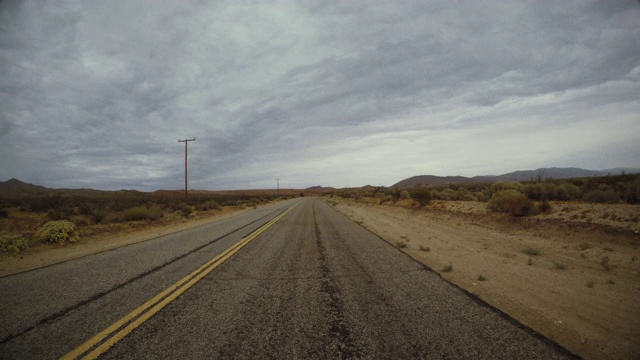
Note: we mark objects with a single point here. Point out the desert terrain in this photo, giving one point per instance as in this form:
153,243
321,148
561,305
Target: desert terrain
572,274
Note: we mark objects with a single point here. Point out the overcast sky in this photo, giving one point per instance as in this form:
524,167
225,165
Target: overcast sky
334,93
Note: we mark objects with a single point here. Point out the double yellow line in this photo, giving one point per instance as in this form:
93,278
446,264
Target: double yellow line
100,343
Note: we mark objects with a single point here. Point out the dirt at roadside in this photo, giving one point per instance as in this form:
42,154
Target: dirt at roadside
568,291
49,254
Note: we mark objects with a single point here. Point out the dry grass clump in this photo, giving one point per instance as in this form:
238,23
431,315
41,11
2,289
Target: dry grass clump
532,251
401,244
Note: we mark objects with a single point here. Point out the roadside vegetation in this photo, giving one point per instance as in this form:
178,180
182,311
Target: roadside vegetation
514,198
61,217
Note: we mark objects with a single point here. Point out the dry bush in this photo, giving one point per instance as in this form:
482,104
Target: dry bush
512,202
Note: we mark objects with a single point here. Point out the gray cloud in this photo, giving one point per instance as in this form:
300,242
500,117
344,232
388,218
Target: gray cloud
96,94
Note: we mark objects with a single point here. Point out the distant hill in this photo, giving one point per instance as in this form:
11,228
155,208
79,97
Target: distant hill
526,175
17,187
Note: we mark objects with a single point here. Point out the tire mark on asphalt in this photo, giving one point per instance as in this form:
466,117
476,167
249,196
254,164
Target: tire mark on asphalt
347,349
102,294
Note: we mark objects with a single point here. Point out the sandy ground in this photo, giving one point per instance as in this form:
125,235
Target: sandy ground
565,292
45,255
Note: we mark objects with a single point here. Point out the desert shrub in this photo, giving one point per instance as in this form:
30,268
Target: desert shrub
98,216
559,265
421,195
503,186
186,209
540,191
567,191
209,205
532,251
632,194
4,213
512,202
544,207
12,243
137,213
59,232
480,196
604,196
404,195
58,214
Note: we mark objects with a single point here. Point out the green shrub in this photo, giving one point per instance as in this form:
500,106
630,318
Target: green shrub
137,213
421,195
567,191
603,196
503,186
12,243
512,202
532,251
559,265
59,232
632,195
98,216
186,210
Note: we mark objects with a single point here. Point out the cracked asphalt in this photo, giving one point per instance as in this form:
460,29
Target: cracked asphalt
314,285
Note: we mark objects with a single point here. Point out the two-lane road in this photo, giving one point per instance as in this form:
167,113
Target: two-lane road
308,284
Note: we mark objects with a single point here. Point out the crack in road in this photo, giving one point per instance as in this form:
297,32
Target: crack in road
347,349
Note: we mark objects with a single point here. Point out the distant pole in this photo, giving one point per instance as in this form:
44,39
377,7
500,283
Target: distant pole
186,142
278,180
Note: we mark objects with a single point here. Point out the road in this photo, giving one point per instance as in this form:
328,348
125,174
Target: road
310,284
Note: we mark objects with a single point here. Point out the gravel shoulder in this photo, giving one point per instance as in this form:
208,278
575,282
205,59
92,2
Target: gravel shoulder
565,292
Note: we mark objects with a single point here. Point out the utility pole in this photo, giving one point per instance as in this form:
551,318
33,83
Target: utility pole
278,180
186,142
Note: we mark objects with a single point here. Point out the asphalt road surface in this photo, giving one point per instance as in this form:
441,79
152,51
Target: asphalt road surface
311,284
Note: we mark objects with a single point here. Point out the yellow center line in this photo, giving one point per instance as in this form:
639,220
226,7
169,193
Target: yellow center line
159,301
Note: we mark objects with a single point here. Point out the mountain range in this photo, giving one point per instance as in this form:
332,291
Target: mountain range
16,187
522,175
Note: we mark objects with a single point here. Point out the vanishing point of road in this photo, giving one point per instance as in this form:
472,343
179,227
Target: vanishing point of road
293,280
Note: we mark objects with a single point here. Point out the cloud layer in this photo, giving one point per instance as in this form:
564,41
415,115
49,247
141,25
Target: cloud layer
96,94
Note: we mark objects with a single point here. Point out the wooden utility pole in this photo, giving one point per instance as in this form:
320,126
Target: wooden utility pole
186,142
